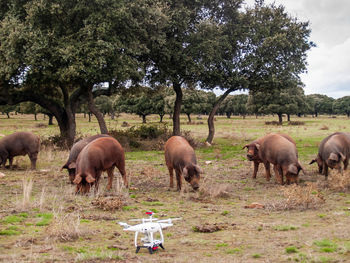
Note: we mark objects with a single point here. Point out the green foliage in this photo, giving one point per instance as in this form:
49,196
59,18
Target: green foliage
342,106
319,104
234,105
256,256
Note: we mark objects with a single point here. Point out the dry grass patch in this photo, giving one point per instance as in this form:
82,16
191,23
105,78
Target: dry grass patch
211,190
110,203
209,228
339,182
298,197
65,227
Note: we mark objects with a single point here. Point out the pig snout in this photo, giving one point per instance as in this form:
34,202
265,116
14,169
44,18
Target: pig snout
195,183
250,156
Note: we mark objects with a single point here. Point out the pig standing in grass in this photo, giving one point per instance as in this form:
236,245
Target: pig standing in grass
74,152
282,153
100,155
179,155
19,143
253,154
333,150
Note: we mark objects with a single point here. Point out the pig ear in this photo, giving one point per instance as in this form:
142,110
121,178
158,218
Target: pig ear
72,165
198,169
245,146
312,161
257,145
90,179
333,157
292,168
77,179
300,167
342,157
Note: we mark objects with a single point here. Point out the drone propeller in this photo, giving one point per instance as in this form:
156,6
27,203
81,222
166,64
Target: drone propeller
169,220
144,219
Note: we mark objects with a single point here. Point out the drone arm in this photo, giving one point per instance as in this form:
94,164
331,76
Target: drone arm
136,234
161,235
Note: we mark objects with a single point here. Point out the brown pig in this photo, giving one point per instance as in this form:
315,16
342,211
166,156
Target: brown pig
282,153
100,155
333,150
179,155
253,154
19,143
74,152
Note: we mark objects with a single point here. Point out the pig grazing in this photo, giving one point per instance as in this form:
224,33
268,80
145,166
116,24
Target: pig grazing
253,154
179,155
19,143
74,152
100,155
282,153
333,150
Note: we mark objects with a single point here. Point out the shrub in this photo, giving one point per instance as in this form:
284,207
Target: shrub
298,197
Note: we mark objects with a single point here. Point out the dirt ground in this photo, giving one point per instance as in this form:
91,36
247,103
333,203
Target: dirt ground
42,220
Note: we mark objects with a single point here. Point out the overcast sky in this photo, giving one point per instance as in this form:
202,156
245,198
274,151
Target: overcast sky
329,62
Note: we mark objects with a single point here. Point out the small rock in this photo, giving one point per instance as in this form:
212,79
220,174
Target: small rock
208,162
2,175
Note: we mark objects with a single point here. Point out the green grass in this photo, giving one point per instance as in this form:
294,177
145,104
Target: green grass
10,231
152,203
285,228
326,245
222,245
290,250
233,251
256,256
15,218
45,219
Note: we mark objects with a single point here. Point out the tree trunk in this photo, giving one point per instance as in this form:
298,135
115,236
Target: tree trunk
161,117
89,116
84,114
66,123
316,114
112,115
35,118
177,108
279,118
143,118
212,114
8,115
228,115
189,117
50,119
288,117
97,113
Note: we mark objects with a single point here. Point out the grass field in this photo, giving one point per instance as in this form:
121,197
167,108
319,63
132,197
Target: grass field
42,220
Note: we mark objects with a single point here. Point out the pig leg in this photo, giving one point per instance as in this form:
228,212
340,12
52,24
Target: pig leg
171,173
267,171
10,162
346,162
178,180
325,170
121,168
33,157
110,177
256,167
97,182
278,173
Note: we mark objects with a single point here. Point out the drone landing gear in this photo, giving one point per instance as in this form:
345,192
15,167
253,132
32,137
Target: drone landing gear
150,249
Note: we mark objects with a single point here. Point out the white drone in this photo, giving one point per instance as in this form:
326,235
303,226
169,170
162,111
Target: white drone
148,227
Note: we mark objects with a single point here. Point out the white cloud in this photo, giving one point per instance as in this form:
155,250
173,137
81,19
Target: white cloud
329,63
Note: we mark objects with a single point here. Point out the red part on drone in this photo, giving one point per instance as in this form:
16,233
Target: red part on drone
154,248
149,213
